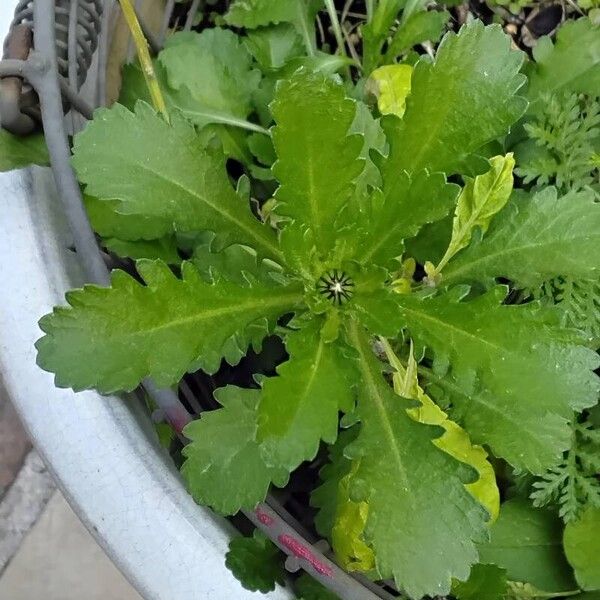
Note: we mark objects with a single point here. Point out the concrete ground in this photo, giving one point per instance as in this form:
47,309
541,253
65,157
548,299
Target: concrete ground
59,560
45,552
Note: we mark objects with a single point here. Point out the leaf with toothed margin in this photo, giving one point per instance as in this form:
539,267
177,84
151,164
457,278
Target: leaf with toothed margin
478,203
258,13
108,222
309,588
374,143
163,170
398,212
422,523
256,562
455,440
228,476
486,582
317,159
164,249
272,47
17,152
571,64
463,99
222,81
534,239
300,406
237,264
228,129
518,376
112,338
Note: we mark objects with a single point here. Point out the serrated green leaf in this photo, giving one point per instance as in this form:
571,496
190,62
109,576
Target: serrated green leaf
503,366
562,139
255,562
231,476
458,103
572,484
258,13
478,202
261,147
527,542
272,47
238,264
572,64
391,86
108,222
222,81
300,406
420,27
374,142
310,589
230,130
161,330
413,510
430,244
455,440
192,178
399,210
163,249
17,152
311,140
582,547
486,582
535,239
579,305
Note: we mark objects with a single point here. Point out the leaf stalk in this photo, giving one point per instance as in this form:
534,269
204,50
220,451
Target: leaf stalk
337,28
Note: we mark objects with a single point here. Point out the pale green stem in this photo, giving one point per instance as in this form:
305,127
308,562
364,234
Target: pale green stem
450,252
337,29
370,10
141,45
305,26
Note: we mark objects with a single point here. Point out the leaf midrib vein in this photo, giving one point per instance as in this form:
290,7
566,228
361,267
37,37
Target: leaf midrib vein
284,300
507,250
427,317
374,395
243,226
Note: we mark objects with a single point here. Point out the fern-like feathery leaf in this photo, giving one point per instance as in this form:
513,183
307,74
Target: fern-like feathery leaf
573,484
564,135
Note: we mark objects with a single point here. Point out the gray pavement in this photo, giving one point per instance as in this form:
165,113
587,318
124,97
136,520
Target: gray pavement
59,560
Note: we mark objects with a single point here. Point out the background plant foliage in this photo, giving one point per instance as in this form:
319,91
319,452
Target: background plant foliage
440,328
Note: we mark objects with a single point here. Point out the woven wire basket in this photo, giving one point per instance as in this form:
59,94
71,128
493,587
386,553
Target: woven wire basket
52,77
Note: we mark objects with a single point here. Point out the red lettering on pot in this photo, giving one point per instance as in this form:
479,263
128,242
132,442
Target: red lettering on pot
263,517
301,551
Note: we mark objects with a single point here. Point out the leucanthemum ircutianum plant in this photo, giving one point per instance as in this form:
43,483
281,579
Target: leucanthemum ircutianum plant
333,265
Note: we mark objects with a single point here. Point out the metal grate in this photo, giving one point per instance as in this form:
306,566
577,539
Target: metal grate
48,55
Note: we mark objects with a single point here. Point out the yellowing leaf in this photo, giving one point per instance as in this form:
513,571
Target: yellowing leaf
347,540
455,440
391,86
479,201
